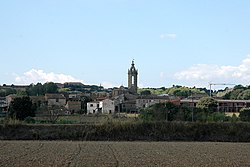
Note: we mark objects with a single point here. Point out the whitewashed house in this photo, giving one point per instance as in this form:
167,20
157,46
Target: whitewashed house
93,107
107,106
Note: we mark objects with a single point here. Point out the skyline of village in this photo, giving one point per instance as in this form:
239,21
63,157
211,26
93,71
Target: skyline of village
173,42
211,85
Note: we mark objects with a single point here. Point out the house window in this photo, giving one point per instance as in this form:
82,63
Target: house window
57,100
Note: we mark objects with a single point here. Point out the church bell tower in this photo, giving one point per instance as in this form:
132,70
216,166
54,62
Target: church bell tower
132,79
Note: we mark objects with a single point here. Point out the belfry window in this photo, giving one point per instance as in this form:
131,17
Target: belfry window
133,80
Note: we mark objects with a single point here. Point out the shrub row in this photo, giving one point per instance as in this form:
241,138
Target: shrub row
139,131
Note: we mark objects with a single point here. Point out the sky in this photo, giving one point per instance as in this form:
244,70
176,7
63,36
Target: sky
173,42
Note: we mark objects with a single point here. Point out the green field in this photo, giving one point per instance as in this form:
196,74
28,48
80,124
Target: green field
67,153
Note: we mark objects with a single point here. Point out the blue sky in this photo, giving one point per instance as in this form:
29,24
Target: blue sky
173,42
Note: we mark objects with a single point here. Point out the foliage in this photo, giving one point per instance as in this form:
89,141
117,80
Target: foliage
7,91
144,131
159,112
55,112
217,117
233,119
176,90
21,107
245,114
39,89
50,87
244,95
239,92
208,104
65,121
63,90
145,92
84,88
21,93
170,112
29,120
146,115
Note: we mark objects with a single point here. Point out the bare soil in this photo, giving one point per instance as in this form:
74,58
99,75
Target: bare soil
153,154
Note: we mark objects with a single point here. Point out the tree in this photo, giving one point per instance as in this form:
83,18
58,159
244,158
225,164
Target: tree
21,107
245,95
39,89
159,112
208,104
55,112
145,92
21,93
7,91
50,87
245,114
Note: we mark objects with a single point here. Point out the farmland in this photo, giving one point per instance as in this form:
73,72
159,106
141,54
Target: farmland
76,153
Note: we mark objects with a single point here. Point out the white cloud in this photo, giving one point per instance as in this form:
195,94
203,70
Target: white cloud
210,72
107,84
169,36
162,75
35,76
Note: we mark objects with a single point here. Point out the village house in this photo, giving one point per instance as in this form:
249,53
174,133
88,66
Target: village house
55,99
125,103
119,91
73,105
93,107
147,101
107,106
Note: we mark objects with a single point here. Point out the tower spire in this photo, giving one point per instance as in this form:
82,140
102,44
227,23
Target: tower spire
132,78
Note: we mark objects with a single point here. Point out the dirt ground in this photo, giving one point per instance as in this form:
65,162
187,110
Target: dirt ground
147,154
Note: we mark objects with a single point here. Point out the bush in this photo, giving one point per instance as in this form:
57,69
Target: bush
29,120
245,114
140,131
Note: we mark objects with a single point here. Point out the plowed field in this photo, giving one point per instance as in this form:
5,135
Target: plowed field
66,153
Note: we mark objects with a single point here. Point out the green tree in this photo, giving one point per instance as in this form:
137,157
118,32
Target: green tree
208,104
245,114
39,89
7,91
145,92
21,93
236,93
50,87
159,112
245,95
21,107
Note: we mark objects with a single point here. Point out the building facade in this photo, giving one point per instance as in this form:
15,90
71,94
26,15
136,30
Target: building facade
55,99
107,106
93,107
